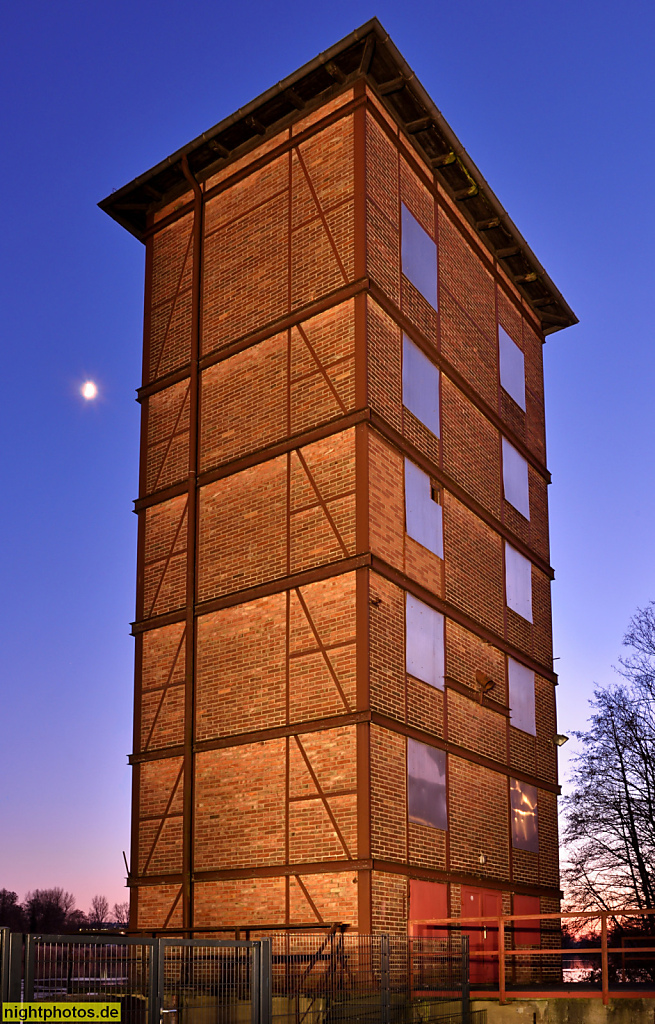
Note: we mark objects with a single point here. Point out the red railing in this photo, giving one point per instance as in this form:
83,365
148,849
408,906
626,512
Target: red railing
635,978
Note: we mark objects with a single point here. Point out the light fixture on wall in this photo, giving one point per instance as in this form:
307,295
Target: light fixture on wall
559,739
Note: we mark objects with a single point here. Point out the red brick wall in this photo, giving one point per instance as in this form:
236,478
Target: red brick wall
478,819
276,240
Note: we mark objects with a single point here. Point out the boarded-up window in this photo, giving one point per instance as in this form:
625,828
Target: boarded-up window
424,646
423,516
420,385
523,798
512,368
515,479
419,257
518,582
426,785
527,933
521,696
427,900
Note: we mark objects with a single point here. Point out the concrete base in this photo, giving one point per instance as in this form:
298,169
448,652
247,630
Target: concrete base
568,1011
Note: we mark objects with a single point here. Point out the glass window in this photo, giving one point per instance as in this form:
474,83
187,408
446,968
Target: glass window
420,385
423,517
521,696
512,368
518,582
418,257
515,479
424,654
426,785
524,816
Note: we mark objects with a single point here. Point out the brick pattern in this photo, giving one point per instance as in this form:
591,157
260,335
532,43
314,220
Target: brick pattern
169,316
471,448
243,537
279,238
475,727
160,825
388,794
239,901
164,551
276,240
466,653
242,795
478,819
390,903
167,455
325,897
426,847
160,906
285,385
473,563
467,307
162,682
239,811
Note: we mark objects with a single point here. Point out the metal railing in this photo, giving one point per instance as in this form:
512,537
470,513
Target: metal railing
600,954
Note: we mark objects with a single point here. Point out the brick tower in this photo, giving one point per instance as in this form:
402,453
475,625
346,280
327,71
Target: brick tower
344,698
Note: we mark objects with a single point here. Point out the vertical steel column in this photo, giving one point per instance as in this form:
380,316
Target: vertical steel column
15,968
156,981
501,961
266,981
4,965
192,513
604,958
385,1001
30,955
466,981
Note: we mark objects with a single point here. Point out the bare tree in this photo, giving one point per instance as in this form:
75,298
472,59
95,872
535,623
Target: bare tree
609,836
121,913
12,914
48,910
99,912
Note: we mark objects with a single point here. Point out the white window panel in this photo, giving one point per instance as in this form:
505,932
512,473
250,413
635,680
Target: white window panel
420,385
525,833
423,516
521,697
512,367
424,652
426,785
518,582
515,479
419,257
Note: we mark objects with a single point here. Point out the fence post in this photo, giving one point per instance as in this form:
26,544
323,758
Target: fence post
603,957
4,965
156,981
265,981
384,980
501,961
30,954
15,970
466,982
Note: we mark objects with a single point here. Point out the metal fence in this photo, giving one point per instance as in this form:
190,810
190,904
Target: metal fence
286,978
341,978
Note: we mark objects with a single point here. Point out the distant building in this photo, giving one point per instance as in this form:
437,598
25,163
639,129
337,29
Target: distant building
345,703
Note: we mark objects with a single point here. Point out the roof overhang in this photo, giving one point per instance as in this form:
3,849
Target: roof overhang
367,53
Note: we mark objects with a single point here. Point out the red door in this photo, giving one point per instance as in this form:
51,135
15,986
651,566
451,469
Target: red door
428,901
483,935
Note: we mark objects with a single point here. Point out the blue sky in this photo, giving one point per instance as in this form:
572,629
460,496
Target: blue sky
553,102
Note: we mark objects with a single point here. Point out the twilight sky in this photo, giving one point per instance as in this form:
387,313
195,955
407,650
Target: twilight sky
553,101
